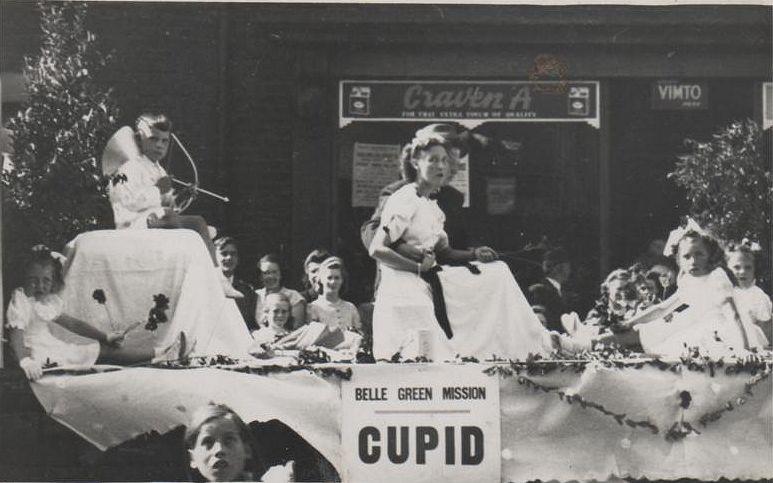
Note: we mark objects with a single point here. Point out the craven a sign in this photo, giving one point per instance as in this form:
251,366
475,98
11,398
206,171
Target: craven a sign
679,95
420,423
469,103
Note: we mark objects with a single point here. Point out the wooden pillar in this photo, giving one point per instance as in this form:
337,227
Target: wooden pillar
605,197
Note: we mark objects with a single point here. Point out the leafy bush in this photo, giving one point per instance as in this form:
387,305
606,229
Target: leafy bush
728,183
55,186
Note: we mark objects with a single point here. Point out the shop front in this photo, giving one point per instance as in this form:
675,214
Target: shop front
531,173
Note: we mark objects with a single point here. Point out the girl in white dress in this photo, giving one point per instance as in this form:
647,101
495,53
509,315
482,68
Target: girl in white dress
752,302
487,314
38,304
702,313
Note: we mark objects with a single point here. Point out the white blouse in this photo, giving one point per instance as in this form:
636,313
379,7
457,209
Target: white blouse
133,192
416,219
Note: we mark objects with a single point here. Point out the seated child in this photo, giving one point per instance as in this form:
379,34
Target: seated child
702,312
275,319
666,271
220,447
753,304
617,303
329,308
140,190
270,274
648,289
38,304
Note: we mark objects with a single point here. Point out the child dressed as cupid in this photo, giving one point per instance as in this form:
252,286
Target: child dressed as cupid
140,189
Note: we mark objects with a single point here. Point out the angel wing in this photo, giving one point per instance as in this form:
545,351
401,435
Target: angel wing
120,148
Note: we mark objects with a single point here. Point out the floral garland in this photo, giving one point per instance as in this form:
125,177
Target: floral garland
227,363
758,368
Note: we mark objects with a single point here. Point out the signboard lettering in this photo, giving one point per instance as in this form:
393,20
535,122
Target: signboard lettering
469,103
421,423
678,95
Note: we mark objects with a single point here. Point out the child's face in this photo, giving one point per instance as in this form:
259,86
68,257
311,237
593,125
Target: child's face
278,311
646,291
270,275
40,281
665,275
219,453
154,143
693,257
228,257
743,269
618,299
331,279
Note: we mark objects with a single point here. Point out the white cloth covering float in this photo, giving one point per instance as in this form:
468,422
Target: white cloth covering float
131,267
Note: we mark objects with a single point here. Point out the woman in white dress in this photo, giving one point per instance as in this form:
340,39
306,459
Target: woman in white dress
487,314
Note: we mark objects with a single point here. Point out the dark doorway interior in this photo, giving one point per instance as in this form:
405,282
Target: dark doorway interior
645,144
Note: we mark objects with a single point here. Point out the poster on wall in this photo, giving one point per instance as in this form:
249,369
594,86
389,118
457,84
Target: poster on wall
461,179
469,103
500,195
374,166
421,423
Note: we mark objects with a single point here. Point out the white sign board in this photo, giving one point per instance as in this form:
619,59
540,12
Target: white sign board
374,166
421,423
461,179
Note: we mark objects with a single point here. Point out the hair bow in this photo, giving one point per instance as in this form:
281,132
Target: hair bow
678,233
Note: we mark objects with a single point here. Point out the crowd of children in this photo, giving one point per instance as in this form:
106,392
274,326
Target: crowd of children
698,295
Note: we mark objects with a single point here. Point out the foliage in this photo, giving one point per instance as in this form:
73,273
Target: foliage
55,184
728,183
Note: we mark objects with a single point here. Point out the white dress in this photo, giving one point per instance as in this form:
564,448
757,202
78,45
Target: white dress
488,313
133,192
34,318
702,324
755,306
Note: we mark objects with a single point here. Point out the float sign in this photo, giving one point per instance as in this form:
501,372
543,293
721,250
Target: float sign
679,95
421,423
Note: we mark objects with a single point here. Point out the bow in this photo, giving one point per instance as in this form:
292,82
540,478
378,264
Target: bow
678,233
185,204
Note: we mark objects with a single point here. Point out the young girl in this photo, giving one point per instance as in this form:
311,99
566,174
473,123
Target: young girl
648,289
753,304
702,312
277,317
270,274
666,271
38,304
329,308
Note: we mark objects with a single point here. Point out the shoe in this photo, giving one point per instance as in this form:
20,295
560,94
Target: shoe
180,349
228,289
171,352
